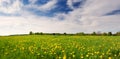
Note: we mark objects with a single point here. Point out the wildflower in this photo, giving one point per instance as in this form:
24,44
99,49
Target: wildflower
14,49
115,55
59,57
64,57
81,56
92,54
38,53
109,57
97,52
22,48
63,50
103,53
101,56
45,52
73,56
87,55
6,53
42,56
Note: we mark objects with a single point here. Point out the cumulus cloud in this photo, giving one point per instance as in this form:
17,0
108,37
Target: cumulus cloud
45,7
32,1
88,18
91,17
96,7
70,3
9,7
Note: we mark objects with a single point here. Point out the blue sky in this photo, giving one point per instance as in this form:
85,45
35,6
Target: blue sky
71,16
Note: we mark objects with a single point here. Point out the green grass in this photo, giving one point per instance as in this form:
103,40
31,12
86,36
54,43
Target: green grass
59,47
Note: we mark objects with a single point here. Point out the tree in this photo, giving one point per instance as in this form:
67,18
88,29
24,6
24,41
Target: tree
109,33
104,34
94,33
118,33
65,33
30,33
41,33
81,33
53,33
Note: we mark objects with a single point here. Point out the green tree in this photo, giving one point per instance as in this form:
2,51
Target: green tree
109,33
94,33
41,33
104,34
37,33
118,33
81,33
65,33
53,33
30,33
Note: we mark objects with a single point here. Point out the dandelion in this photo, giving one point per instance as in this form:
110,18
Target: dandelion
54,53
70,53
6,53
92,49
22,48
115,55
109,57
97,52
45,52
63,50
103,53
87,55
38,53
14,49
81,56
73,56
101,56
42,56
64,57
59,57
92,54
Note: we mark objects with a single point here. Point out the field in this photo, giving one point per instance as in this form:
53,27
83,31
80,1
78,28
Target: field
59,47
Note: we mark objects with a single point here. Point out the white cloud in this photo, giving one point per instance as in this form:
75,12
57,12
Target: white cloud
89,18
32,1
45,7
48,6
13,25
71,2
100,7
6,6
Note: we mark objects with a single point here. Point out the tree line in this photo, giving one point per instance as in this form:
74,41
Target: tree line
80,33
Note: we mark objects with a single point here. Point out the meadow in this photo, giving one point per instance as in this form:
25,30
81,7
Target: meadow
59,47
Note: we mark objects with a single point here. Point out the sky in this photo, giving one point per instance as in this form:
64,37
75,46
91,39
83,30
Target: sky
70,16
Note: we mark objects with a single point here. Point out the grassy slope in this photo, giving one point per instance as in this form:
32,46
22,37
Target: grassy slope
59,47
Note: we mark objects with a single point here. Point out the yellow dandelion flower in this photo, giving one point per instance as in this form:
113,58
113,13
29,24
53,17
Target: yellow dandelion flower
73,56
101,56
54,53
59,57
97,52
92,54
42,56
87,55
45,52
38,53
109,57
14,49
22,48
63,50
103,53
82,56
64,57
6,53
